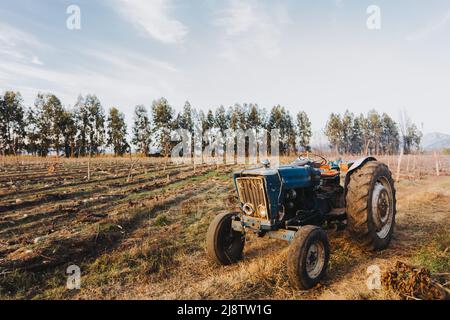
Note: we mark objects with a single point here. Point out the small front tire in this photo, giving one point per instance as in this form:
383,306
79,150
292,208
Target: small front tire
308,257
223,244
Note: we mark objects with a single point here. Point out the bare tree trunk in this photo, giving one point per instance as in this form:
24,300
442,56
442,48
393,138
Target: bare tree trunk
72,151
437,164
166,154
130,173
399,165
89,165
366,148
420,168
3,158
407,164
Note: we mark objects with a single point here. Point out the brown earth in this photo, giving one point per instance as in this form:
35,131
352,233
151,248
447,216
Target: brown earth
137,231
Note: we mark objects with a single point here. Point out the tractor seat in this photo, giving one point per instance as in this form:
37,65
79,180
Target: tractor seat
329,173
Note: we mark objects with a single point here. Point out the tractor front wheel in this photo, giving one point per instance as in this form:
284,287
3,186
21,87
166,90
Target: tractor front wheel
308,257
223,244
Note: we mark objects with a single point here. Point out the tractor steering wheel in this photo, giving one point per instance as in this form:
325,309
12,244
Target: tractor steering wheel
316,159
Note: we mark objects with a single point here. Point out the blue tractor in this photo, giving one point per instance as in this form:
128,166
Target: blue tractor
297,202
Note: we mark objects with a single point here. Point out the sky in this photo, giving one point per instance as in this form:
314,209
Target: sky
318,56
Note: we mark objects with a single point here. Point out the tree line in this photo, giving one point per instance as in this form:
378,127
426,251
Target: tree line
86,129
371,134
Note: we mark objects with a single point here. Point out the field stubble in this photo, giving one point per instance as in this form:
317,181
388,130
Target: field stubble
137,230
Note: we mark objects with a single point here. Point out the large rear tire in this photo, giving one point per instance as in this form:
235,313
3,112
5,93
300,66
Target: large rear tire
223,244
308,257
371,205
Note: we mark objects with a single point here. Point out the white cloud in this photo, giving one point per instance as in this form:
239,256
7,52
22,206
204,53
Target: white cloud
19,45
430,29
12,37
153,19
251,28
119,76
239,18
119,79
37,61
338,3
124,61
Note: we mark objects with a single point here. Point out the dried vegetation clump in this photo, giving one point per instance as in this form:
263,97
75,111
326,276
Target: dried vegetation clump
416,283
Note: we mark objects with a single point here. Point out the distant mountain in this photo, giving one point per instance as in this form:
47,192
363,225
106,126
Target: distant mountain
436,141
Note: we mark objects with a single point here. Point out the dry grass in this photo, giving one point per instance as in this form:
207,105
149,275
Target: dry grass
144,239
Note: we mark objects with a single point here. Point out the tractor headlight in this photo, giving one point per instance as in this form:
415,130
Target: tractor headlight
248,209
262,211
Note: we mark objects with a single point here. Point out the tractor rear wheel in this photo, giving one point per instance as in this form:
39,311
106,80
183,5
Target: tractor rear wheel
308,257
371,205
223,244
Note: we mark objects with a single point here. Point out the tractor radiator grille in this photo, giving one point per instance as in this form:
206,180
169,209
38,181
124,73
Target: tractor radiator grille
251,191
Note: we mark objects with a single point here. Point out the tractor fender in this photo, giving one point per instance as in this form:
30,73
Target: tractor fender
356,165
